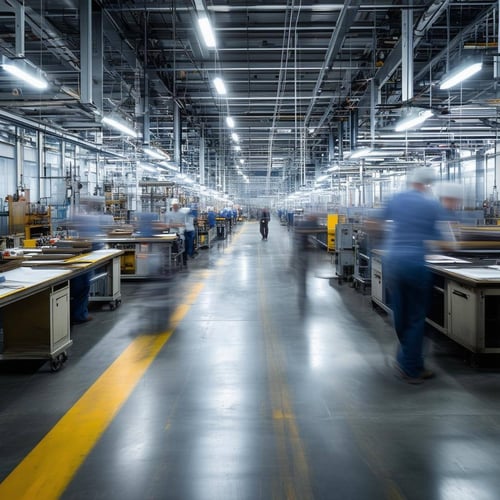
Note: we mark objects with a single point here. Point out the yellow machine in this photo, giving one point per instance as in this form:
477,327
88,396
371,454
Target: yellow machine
331,223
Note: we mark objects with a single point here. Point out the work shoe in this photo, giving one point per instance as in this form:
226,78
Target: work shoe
426,374
402,375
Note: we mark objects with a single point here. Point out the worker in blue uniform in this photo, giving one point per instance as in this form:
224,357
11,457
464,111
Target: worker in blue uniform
414,217
265,217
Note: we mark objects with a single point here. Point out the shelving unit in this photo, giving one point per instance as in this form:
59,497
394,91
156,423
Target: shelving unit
154,195
32,219
115,200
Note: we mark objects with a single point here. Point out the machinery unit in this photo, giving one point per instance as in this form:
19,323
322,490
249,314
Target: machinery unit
331,224
344,251
362,260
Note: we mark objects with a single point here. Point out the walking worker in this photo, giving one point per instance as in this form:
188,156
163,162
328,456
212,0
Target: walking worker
265,217
415,217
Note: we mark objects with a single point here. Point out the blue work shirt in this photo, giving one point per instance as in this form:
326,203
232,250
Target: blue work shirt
415,218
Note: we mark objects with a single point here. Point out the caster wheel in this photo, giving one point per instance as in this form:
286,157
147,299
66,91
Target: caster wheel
55,365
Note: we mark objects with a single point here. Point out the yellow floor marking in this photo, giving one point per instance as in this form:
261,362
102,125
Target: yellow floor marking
47,470
294,481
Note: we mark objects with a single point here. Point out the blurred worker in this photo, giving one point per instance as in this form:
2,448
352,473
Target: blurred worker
303,230
175,220
415,216
89,227
450,195
188,231
265,217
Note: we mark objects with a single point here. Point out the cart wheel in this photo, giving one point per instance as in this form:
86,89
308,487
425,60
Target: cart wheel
55,364
112,306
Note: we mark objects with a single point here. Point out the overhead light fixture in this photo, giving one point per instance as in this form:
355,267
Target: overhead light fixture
25,72
220,86
207,31
460,74
119,125
230,122
145,167
170,166
235,137
413,119
360,153
156,153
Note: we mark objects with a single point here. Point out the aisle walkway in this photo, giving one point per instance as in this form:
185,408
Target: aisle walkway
216,385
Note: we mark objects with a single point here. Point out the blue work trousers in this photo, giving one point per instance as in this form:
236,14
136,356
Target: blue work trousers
410,285
189,242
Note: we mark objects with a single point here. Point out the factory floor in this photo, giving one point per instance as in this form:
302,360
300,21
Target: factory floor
224,382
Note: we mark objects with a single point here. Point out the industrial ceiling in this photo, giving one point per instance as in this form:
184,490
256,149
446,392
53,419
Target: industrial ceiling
307,82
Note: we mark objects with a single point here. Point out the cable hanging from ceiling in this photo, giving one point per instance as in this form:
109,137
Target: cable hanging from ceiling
288,33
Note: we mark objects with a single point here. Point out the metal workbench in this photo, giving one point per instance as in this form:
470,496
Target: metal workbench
35,306
148,256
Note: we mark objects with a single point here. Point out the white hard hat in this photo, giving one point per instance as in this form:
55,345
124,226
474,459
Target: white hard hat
422,175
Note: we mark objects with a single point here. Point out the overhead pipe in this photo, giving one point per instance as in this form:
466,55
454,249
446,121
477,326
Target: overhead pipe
54,132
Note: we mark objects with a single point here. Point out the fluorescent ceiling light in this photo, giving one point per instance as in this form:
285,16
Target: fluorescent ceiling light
29,77
230,122
119,125
147,168
170,166
219,86
459,75
413,120
156,154
360,153
207,31
235,137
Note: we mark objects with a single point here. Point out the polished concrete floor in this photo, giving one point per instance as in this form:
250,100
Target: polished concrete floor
225,383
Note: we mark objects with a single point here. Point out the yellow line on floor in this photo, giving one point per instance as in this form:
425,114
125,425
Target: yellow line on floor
294,481
47,470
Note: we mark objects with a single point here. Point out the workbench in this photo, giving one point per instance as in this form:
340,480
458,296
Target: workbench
148,256
469,298
465,303
35,304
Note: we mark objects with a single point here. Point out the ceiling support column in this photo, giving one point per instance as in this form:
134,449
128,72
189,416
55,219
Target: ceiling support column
177,136
201,156
354,128
331,147
85,51
407,53
97,59
480,165
341,141
19,12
